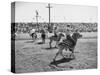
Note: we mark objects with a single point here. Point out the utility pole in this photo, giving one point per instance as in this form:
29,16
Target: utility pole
49,7
37,15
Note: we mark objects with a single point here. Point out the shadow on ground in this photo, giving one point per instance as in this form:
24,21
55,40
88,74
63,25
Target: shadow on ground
29,41
40,43
60,61
48,48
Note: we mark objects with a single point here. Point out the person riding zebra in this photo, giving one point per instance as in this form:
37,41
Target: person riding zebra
68,44
33,34
69,37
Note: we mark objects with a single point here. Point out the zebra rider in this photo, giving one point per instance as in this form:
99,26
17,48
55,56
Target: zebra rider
69,39
32,32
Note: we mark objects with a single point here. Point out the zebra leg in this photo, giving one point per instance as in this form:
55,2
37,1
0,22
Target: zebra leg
44,40
50,43
72,54
35,37
62,54
56,55
56,44
59,52
32,37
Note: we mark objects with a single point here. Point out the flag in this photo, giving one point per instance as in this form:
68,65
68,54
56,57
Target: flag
37,12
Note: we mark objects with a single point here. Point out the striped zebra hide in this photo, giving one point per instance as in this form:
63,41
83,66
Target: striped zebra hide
67,43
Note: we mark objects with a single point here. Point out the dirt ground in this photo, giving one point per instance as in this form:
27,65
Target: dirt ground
36,57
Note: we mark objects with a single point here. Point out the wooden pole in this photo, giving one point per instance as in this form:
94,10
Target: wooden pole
49,7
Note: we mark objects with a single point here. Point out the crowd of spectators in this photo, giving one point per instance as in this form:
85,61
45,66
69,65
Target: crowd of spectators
62,27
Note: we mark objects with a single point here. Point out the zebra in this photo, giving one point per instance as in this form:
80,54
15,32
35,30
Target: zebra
68,43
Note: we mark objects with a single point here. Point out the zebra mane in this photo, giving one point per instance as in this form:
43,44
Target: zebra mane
75,36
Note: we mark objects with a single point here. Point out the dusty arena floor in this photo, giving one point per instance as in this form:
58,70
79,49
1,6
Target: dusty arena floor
36,57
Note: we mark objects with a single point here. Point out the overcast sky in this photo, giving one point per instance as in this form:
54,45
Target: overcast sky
26,12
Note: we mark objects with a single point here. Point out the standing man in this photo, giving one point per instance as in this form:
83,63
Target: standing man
43,35
55,31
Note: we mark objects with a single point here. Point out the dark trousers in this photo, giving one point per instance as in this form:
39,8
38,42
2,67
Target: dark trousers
43,38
